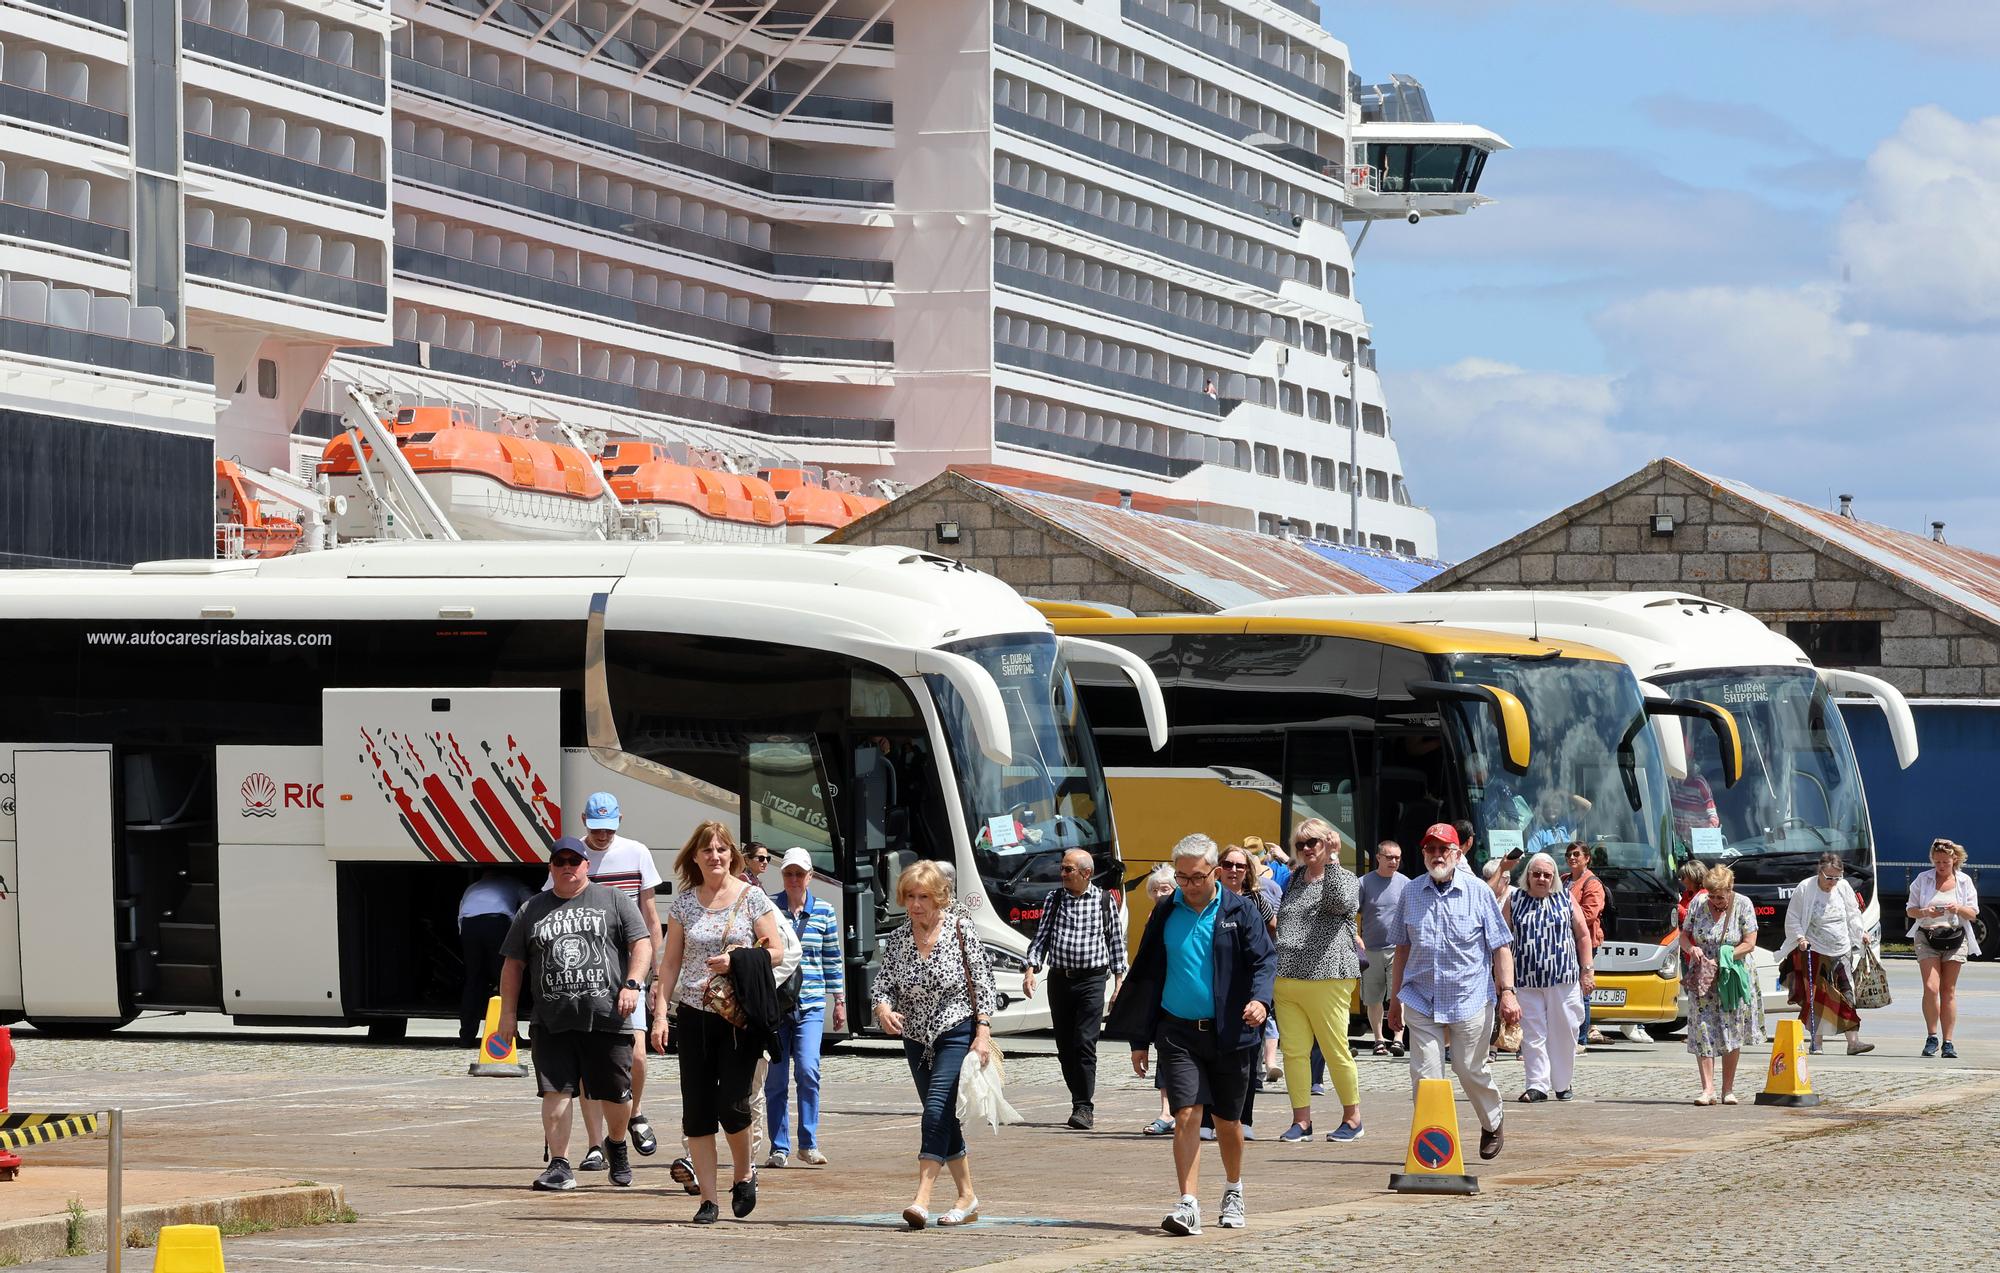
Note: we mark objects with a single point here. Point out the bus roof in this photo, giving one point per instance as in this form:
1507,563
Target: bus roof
795,594
1422,638
1656,632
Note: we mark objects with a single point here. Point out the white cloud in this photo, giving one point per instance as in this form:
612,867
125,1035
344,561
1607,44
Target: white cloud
1922,240
1965,28
1881,386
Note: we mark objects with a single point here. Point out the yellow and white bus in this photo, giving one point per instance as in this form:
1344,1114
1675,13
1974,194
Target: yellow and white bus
1383,729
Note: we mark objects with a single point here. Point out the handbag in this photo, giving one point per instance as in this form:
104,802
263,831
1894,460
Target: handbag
719,995
1944,940
1871,982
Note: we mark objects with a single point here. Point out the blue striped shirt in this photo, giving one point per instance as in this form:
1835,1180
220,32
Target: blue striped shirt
1452,933
820,970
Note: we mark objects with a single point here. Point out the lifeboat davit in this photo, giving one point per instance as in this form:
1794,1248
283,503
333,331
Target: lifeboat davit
239,513
491,485
695,503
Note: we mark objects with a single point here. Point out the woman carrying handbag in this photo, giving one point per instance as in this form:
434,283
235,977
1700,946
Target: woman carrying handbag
714,912
1823,934
934,989
1943,906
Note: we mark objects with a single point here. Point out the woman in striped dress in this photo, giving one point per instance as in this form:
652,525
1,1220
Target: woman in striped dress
1552,977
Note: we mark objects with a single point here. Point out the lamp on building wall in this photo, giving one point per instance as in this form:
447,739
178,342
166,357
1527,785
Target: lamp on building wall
1663,525
947,532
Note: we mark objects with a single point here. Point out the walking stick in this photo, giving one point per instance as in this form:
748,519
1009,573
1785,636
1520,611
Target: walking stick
1812,993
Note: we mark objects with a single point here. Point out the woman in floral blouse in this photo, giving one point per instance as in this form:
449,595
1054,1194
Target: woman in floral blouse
1717,918
935,990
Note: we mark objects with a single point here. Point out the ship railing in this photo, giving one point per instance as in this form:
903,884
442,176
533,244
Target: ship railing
1364,177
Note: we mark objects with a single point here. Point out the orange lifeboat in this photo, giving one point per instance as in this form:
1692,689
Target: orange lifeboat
263,536
703,504
491,485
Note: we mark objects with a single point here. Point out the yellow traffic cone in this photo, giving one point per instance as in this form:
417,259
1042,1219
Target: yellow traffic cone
1434,1163
1787,1083
496,1057
188,1248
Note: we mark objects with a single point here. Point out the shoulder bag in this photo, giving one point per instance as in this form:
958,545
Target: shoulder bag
972,995
719,996
1871,982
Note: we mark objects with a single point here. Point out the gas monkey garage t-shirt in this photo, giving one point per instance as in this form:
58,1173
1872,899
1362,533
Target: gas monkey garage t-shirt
577,952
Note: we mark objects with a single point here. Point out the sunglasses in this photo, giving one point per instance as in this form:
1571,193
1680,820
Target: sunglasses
1235,866
1075,870
566,860
760,857
1306,844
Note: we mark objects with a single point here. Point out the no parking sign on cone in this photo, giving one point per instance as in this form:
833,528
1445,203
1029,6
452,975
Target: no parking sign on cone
1434,1163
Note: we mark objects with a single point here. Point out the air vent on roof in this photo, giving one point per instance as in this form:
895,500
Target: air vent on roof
1847,507
1937,531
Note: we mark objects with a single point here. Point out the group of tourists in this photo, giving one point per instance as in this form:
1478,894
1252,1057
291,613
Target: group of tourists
1246,949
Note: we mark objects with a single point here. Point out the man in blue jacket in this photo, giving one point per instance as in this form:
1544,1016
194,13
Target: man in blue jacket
1200,990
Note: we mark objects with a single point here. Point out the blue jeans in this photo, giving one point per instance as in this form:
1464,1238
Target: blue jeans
798,1049
937,1083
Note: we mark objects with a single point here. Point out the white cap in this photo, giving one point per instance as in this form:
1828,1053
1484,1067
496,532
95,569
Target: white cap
796,856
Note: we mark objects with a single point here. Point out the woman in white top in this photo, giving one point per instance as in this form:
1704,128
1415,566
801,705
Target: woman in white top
1822,934
1943,904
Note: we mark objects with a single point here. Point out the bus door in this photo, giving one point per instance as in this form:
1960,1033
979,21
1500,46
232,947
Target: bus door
62,886
1332,774
791,805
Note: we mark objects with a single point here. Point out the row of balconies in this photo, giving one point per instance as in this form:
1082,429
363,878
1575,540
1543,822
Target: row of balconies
1227,35
275,255
105,333
282,27
1089,358
63,207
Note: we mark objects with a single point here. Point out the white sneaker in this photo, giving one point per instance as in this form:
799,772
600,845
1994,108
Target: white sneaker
1232,1216
1184,1221
1636,1033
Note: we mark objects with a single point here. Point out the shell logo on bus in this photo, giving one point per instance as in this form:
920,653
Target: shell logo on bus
260,796
456,808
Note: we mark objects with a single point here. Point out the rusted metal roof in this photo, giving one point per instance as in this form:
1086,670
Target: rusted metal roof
1220,564
1965,576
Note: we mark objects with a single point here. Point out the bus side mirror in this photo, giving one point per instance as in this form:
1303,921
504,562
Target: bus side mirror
1152,703
1720,719
1509,716
1895,708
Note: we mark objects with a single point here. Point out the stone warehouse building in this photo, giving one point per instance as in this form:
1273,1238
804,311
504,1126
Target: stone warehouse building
1065,548
1913,609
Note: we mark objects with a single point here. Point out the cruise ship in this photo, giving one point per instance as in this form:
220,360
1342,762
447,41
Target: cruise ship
1095,246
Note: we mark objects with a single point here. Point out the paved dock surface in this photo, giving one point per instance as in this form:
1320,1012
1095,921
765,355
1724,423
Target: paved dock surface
437,1163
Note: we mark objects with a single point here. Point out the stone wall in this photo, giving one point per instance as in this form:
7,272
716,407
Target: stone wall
1030,555
1734,554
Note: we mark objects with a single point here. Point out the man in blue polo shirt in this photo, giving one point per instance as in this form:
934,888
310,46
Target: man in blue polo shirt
1200,990
1454,966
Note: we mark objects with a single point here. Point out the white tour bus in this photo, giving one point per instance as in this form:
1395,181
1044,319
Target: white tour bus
1801,792
260,787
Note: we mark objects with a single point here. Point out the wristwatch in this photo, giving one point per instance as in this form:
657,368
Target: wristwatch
630,984
1506,990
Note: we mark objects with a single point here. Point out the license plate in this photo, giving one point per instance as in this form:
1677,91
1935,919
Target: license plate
1607,998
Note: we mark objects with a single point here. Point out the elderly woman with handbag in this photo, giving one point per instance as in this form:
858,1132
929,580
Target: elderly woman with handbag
1721,929
934,989
1822,934
714,912
1943,906
1552,976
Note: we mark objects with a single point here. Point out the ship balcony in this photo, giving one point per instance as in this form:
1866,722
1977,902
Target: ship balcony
272,40
1410,171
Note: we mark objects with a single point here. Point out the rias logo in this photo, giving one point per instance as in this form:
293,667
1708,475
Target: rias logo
260,796
263,797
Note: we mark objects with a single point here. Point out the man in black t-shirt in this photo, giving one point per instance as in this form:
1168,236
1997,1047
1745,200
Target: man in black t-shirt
583,948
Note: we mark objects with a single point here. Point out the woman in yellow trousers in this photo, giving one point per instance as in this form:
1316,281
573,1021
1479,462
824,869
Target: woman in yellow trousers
1318,967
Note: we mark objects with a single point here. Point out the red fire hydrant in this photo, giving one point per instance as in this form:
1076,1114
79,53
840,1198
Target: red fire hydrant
10,1164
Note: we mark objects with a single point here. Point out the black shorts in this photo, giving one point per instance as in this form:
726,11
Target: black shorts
601,1062
1194,1072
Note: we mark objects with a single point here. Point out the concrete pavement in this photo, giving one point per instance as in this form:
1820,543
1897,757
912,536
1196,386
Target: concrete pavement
437,1163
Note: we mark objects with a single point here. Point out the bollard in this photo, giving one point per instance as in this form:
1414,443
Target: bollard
1434,1163
496,1058
114,1193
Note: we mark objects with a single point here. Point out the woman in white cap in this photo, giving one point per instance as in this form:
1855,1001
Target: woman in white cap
822,987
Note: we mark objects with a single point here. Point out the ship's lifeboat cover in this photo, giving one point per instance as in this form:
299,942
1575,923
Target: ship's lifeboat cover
437,443
816,506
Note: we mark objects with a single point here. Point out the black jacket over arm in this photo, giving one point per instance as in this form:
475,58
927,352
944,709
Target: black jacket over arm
757,993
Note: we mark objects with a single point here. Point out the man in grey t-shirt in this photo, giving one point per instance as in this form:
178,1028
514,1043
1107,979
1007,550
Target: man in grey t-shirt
583,948
1381,888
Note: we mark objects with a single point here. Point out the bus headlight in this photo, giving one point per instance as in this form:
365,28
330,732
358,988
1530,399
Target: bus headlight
1004,960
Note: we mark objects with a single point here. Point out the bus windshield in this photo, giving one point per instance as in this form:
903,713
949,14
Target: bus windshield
1050,798
1591,776
1800,795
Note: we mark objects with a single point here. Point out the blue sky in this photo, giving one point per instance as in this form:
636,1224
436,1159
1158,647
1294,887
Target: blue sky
1762,236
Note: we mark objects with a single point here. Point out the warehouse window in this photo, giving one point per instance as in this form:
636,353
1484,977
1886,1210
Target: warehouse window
1839,642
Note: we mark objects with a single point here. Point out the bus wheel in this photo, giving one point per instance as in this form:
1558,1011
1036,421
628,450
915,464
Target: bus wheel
388,1030
1980,928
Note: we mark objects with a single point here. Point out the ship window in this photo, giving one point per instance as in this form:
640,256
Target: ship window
267,378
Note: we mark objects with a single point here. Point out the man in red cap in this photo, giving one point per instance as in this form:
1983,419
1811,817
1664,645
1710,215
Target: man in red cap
1454,968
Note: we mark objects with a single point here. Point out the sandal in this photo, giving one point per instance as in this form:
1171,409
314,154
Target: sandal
1381,1049
959,1215
1729,1098
1397,1049
1704,1099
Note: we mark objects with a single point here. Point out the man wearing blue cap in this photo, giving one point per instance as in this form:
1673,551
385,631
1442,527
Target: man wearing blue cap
628,866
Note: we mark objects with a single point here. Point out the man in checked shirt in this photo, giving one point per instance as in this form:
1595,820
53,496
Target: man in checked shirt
1080,940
